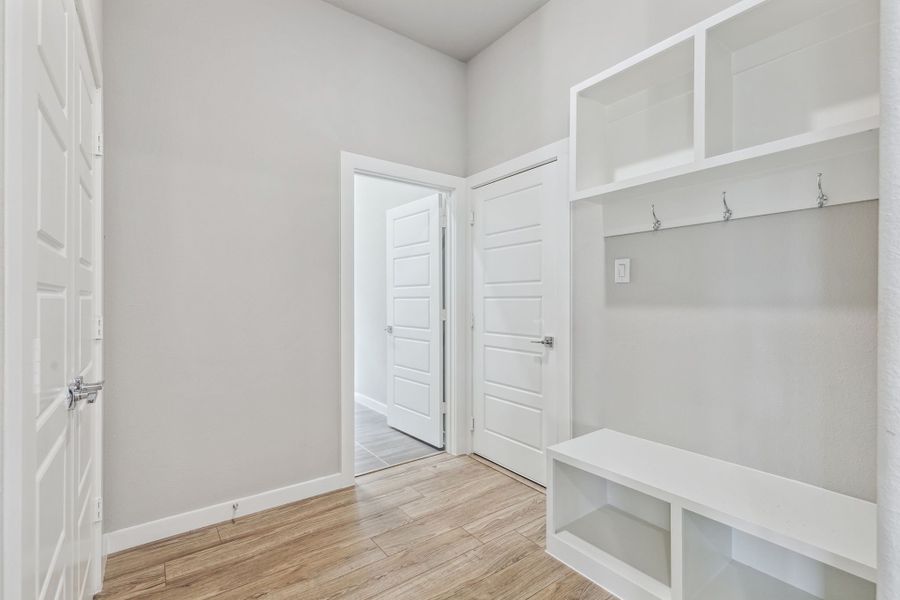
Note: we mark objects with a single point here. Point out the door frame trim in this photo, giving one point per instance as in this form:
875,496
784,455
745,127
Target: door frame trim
555,152
457,357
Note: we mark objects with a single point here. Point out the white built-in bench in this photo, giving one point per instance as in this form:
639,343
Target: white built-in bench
651,522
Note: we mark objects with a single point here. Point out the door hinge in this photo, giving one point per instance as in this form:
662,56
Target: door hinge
472,426
471,218
444,407
98,149
98,516
443,314
98,328
472,323
444,217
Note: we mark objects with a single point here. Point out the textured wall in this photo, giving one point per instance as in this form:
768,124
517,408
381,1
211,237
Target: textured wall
224,125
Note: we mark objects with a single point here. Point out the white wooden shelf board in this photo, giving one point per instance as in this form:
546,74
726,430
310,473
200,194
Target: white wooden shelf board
834,529
740,582
797,149
627,538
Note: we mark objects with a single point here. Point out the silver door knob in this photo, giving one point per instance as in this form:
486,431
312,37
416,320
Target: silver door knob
79,390
547,340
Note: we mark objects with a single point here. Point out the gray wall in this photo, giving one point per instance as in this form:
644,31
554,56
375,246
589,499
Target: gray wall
519,86
224,123
374,197
753,342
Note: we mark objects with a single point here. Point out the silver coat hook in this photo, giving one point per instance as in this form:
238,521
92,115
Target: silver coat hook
726,212
656,222
822,200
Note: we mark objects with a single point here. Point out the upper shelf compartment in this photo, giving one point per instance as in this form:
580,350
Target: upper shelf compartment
638,118
782,80
789,67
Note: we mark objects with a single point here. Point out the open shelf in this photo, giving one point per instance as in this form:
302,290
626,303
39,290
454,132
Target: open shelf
722,563
648,521
638,120
632,540
785,68
609,520
764,85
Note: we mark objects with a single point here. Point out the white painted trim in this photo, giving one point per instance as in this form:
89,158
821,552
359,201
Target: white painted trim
516,165
371,403
145,533
458,355
558,151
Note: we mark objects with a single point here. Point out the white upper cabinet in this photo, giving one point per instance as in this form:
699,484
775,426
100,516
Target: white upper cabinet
755,102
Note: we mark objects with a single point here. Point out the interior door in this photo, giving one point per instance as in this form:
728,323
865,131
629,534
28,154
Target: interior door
53,278
414,320
517,370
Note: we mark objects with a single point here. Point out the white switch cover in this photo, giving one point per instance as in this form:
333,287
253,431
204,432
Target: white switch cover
623,270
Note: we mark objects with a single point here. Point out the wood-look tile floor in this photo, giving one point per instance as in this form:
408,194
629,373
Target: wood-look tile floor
441,527
378,445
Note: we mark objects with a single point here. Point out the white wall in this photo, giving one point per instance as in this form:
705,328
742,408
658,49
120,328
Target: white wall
224,123
519,86
373,197
754,343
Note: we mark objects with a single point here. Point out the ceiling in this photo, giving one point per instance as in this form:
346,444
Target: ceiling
458,28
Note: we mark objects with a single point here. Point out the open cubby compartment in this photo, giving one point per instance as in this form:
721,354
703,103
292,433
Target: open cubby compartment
638,119
785,68
724,563
620,522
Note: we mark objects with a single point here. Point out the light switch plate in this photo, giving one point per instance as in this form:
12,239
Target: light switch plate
623,270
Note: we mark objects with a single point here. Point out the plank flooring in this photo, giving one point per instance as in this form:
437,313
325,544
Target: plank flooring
441,527
378,445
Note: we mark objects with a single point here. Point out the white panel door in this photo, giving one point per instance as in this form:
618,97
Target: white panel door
53,277
414,322
518,380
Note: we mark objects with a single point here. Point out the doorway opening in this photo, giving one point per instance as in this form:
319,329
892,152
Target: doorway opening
405,314
399,317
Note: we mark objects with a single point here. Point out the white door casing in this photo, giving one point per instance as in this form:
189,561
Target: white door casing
50,480
414,322
520,386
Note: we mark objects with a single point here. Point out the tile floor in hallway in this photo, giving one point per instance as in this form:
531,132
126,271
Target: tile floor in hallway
379,446
440,527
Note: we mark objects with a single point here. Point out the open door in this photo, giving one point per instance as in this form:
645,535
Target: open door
414,326
50,460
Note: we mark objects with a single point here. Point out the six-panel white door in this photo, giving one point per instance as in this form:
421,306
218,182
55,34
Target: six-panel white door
56,273
517,379
414,320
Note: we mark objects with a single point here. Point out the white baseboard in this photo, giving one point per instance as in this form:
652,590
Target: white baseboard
122,539
370,402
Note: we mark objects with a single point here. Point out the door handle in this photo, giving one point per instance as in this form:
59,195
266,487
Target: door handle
389,329
79,390
547,340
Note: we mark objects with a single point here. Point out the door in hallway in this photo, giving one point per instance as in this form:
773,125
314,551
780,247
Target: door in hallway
54,216
517,371
414,324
